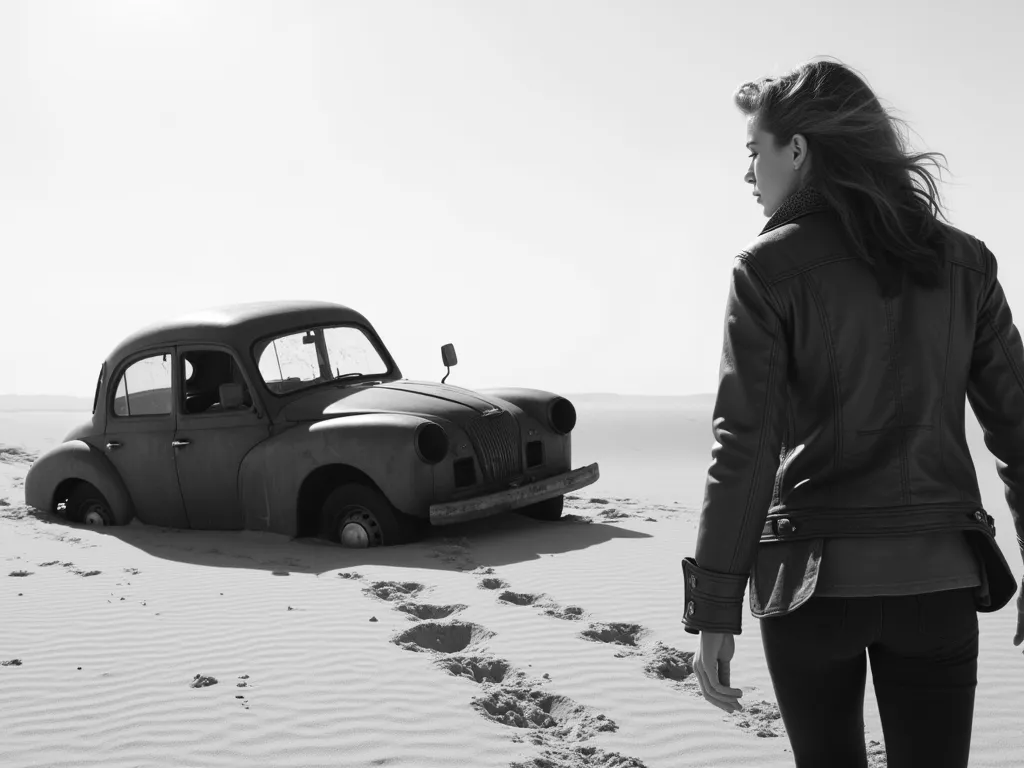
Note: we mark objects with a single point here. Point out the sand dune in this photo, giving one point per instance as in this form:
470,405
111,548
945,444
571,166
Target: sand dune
496,643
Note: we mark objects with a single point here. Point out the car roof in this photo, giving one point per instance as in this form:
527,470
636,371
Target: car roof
236,324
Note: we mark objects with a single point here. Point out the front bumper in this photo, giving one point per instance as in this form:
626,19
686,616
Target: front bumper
512,498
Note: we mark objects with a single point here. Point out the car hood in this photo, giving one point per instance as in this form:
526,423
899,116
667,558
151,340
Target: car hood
420,398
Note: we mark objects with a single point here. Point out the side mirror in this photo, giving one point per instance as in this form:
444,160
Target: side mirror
448,359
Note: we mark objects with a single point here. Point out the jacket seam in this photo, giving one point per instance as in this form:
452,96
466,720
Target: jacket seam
968,265
898,402
837,415
945,372
1006,353
759,458
747,258
797,271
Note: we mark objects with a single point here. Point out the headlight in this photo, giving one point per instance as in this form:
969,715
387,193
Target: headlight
431,442
561,415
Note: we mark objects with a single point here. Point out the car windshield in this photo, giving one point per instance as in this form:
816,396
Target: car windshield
316,356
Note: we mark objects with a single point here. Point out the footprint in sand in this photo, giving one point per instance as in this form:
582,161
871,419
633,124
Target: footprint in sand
492,583
422,611
11,663
13,455
667,663
20,573
479,669
616,633
394,590
567,612
761,718
518,598
452,637
876,755
579,757
559,717
555,722
350,575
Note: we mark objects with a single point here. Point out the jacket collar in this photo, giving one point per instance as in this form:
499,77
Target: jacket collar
800,203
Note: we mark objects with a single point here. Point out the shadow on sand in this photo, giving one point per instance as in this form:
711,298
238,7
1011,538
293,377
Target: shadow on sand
490,542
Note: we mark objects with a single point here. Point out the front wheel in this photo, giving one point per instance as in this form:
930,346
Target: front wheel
358,516
85,504
549,509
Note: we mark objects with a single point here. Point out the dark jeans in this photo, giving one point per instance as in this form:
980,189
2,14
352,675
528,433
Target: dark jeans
924,662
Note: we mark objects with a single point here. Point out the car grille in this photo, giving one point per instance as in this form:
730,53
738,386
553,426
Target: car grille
496,441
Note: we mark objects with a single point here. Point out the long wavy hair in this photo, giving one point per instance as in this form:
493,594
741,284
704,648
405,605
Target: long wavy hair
886,198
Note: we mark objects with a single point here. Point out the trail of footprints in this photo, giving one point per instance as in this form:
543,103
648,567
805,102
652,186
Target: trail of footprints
557,724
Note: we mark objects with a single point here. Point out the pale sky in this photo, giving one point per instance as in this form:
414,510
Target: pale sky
555,187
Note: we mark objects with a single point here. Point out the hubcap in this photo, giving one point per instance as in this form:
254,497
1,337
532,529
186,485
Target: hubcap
359,529
354,535
94,514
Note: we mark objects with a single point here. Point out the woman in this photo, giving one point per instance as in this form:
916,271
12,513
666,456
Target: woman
841,483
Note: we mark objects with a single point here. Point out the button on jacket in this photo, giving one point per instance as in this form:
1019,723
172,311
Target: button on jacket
840,412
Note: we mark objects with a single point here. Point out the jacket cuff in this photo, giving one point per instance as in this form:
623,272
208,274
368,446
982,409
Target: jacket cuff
712,600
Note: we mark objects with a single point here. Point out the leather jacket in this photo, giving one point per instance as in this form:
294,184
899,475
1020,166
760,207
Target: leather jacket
840,412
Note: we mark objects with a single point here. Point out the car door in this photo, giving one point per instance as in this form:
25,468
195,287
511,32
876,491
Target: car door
139,431
212,437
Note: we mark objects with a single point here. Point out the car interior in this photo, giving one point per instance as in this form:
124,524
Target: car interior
214,384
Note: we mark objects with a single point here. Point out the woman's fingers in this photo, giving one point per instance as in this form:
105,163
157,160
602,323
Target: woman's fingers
713,693
720,683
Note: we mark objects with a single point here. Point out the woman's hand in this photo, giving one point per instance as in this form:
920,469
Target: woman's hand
711,665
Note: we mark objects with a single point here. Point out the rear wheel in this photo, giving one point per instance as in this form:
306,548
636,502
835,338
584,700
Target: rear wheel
549,509
358,516
85,504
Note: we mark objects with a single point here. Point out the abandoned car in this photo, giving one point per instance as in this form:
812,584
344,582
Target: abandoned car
293,418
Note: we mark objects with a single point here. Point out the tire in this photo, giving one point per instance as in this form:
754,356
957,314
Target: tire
548,510
357,516
87,505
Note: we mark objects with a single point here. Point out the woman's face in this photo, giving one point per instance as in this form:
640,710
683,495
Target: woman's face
774,173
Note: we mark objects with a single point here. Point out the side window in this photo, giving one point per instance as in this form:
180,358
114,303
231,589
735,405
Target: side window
211,382
144,389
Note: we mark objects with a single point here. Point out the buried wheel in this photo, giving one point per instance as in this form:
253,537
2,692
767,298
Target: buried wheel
86,505
358,516
549,509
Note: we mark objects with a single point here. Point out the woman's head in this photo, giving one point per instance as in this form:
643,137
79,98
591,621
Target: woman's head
775,171
821,125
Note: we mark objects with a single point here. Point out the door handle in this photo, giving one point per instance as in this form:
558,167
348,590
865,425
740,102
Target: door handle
112,445
180,443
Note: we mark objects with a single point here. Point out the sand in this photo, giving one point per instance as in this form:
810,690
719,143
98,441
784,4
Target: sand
503,642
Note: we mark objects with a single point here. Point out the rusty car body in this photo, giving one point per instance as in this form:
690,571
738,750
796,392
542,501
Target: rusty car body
292,417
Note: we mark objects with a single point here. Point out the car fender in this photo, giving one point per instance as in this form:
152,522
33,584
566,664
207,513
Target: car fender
379,445
77,460
534,404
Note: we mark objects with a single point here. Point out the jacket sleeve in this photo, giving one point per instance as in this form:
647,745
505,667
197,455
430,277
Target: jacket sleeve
995,390
747,425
